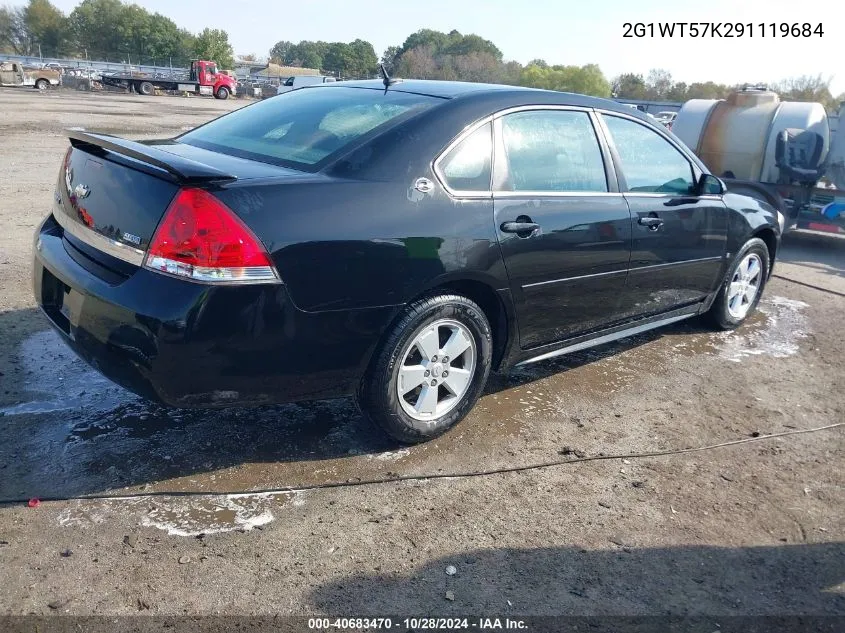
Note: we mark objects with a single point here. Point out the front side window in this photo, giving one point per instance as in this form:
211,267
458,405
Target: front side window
303,128
552,150
650,163
468,165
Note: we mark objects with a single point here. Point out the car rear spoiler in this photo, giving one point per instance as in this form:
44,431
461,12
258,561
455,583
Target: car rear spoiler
181,170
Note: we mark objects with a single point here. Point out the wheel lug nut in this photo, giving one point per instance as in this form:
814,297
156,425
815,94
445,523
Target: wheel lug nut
445,359
434,359
433,383
445,373
427,373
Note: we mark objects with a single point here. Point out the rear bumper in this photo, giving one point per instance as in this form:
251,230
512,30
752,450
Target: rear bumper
192,345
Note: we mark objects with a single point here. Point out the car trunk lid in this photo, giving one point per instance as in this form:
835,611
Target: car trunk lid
112,193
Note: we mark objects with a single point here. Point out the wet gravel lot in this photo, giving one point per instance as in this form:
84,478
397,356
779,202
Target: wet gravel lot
194,512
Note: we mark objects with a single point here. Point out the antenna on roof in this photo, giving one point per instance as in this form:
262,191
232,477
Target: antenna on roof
386,79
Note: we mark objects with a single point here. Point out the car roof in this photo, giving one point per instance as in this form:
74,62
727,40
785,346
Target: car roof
493,93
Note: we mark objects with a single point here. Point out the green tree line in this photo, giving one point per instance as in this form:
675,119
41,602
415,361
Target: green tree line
429,54
113,30
107,30
352,59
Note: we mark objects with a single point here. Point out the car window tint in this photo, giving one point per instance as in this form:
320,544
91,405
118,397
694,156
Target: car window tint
650,163
552,150
358,119
303,128
468,165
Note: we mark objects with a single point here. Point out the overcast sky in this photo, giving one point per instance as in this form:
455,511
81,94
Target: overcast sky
559,31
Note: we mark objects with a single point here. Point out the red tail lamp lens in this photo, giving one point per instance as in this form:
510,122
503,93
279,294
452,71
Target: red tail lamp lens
201,238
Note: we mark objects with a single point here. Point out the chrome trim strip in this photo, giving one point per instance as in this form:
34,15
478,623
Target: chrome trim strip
626,270
681,263
607,338
540,106
651,194
102,243
555,194
556,281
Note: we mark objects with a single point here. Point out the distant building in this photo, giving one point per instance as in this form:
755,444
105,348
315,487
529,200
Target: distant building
245,68
268,72
276,74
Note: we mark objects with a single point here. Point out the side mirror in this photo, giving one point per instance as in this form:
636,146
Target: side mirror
709,185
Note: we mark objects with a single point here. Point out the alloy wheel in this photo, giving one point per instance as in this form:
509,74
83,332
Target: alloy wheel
745,285
436,370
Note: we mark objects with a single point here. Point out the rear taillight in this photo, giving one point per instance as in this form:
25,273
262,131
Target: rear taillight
200,238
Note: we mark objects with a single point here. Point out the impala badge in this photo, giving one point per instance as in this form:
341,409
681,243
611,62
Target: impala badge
81,191
134,239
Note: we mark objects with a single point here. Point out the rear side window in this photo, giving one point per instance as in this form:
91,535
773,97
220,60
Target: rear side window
552,150
468,165
650,163
304,129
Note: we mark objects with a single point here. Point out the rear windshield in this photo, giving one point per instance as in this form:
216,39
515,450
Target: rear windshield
304,128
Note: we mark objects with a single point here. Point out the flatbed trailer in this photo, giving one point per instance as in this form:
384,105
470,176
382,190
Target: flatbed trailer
203,79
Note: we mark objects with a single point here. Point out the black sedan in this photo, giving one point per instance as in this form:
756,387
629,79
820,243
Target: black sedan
394,242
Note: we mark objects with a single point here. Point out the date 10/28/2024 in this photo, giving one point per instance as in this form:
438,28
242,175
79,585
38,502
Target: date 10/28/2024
418,623
723,29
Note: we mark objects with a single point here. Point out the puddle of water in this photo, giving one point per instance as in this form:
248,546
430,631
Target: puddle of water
183,516
390,456
779,336
212,515
775,330
59,381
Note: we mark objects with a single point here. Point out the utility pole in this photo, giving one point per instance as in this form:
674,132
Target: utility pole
39,53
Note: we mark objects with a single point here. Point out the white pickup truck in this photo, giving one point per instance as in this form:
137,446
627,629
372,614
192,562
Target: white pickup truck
298,81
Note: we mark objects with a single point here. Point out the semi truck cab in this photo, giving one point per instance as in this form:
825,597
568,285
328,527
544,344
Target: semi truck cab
206,74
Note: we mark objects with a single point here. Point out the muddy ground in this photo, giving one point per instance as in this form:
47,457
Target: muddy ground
754,528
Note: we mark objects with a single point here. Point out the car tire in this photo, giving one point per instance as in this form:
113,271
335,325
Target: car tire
428,410
742,288
42,84
146,88
222,94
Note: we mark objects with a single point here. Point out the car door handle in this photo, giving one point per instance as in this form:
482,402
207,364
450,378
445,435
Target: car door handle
519,227
651,222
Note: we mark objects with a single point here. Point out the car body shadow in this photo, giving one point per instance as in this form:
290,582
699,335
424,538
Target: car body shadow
803,579
820,253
